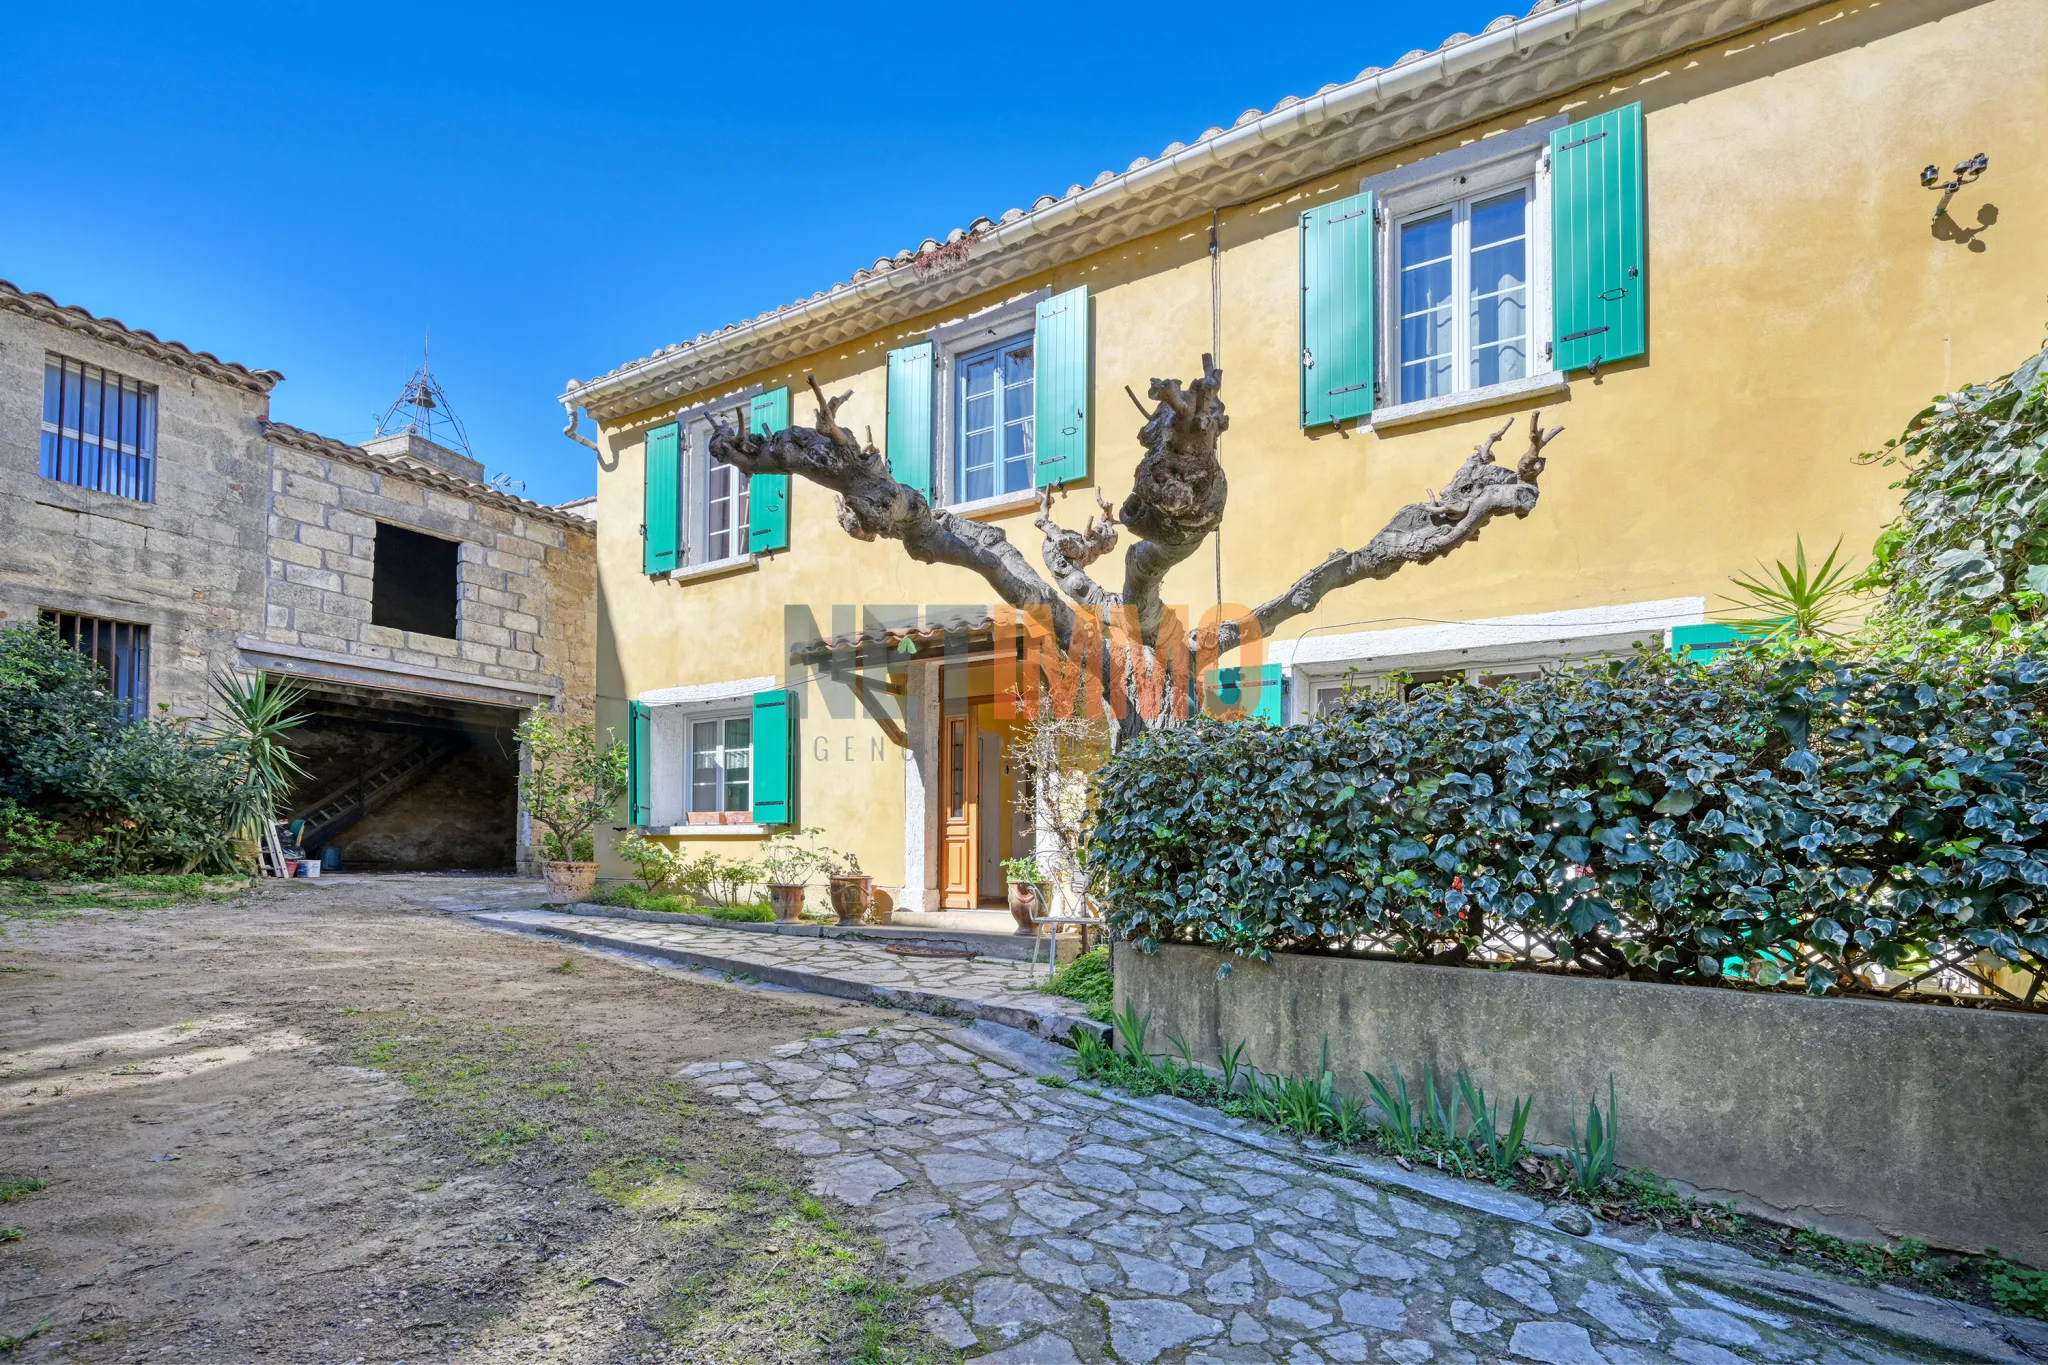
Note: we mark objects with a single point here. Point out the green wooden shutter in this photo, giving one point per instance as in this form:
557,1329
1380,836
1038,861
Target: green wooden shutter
1259,692
768,494
909,431
1060,389
1703,641
774,773
660,530
639,764
1337,311
1598,266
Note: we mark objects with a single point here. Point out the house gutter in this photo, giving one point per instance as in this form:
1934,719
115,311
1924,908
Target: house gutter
1515,39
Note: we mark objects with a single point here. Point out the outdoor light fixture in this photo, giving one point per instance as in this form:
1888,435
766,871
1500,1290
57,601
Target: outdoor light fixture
1966,172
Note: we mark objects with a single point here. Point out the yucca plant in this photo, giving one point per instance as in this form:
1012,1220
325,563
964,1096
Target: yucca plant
253,713
1794,600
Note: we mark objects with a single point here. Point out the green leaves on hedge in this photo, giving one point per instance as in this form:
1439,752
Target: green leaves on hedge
1772,816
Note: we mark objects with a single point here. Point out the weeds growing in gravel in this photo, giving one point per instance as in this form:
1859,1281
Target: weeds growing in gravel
15,1188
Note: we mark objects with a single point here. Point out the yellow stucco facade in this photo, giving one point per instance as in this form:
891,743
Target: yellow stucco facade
1801,306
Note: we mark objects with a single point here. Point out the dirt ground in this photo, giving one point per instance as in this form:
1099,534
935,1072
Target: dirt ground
339,1121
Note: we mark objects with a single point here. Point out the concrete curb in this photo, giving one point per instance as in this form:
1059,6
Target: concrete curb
1957,1330
1040,1023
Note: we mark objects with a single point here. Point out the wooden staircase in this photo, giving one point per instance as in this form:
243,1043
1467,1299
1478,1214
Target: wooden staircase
343,806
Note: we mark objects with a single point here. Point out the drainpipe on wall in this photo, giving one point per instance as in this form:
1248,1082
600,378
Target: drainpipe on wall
569,410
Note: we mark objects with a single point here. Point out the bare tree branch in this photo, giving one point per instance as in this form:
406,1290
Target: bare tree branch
1420,532
874,506
1069,553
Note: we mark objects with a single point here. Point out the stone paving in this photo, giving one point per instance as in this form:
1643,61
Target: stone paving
984,987
1049,1226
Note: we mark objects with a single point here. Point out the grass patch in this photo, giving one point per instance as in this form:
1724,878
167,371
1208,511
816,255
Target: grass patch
1087,980
763,1271
15,1188
25,899
9,1344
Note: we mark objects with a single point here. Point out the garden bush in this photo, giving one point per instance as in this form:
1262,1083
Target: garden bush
85,792
1778,814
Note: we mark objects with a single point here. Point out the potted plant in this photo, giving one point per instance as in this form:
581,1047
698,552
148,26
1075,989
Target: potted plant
1024,877
853,890
569,785
787,862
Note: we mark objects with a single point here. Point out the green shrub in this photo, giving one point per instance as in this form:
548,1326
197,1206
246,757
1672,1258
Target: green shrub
669,903
84,792
1776,814
1087,980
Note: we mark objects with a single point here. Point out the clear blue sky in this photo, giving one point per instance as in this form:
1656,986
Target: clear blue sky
555,191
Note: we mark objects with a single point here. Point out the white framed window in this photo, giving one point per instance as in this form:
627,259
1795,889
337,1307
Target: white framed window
714,520
993,436
721,763
986,391
1464,294
1463,277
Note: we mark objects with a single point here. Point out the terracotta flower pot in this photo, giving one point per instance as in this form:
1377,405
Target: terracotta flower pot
788,902
1023,900
851,896
569,882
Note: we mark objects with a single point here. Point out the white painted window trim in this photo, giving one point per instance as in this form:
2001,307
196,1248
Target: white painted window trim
1005,321
711,831
669,713
696,716
717,568
1488,645
1495,163
694,487
997,505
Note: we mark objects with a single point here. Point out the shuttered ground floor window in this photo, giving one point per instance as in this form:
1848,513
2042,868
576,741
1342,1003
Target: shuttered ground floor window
120,648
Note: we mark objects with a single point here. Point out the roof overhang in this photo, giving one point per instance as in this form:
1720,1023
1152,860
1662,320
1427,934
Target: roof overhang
1515,63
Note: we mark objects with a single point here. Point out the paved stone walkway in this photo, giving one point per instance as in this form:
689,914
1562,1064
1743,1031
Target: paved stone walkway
997,989
1052,1226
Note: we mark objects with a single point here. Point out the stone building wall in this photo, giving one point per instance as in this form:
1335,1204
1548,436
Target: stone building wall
190,563
526,576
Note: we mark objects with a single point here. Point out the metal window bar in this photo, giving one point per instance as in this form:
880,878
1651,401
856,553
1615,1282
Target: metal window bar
99,429
120,649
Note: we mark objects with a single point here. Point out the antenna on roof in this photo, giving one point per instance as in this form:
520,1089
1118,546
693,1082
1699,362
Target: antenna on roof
422,409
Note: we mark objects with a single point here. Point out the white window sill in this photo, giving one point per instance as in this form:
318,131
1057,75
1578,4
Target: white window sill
716,568
1471,400
1002,504
710,831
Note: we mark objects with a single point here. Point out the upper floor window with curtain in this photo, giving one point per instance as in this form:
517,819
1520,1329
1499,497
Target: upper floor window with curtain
99,429
992,420
1463,273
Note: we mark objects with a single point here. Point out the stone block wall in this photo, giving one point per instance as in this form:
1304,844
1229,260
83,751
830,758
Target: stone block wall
190,564
526,577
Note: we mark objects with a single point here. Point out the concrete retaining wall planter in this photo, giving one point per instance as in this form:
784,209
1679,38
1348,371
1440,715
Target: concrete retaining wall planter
1860,1117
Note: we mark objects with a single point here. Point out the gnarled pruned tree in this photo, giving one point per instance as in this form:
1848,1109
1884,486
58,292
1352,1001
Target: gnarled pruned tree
1176,502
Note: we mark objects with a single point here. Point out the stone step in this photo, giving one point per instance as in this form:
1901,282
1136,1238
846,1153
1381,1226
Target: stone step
1010,946
1003,994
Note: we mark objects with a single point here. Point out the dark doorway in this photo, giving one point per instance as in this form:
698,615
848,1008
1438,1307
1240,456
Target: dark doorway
413,582
407,783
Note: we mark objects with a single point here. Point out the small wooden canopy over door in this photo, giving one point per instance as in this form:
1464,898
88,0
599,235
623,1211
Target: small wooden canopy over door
959,809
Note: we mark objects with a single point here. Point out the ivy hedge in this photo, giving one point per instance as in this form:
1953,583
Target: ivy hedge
1775,816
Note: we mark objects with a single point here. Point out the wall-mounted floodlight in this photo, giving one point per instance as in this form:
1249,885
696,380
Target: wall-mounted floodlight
1966,172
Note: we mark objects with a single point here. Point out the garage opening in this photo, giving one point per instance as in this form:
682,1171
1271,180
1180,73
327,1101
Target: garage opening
413,582
405,783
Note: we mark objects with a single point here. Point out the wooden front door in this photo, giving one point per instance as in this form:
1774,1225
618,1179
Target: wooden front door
959,809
